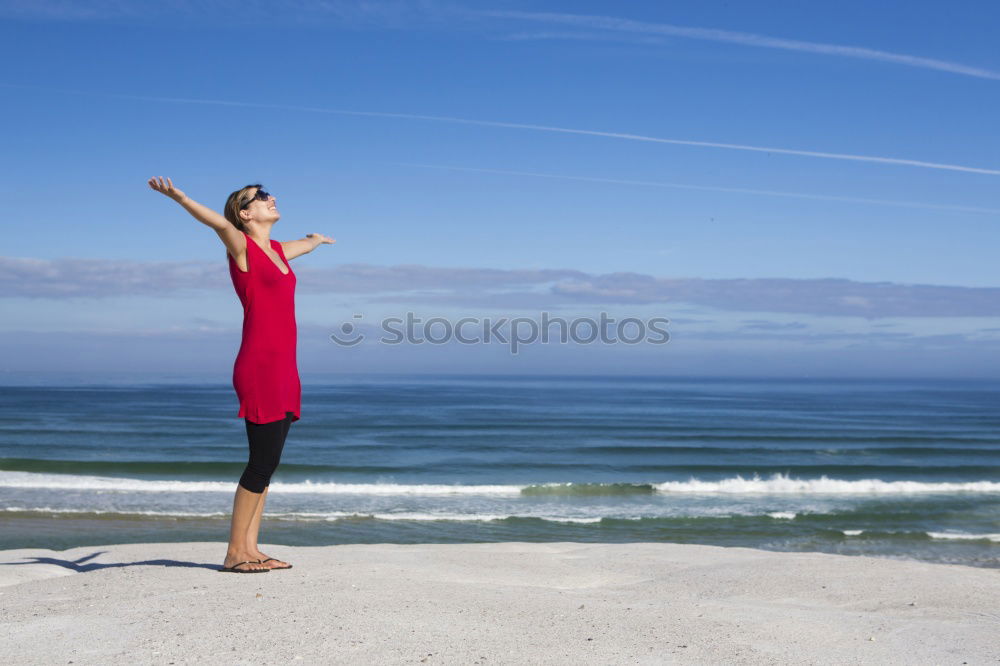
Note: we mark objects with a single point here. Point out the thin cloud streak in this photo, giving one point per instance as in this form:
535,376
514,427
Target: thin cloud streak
713,188
580,36
748,39
543,128
610,135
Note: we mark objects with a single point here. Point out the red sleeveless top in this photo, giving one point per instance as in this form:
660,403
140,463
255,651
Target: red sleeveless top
265,375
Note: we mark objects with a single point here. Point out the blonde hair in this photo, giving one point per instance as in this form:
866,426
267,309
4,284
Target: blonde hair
236,202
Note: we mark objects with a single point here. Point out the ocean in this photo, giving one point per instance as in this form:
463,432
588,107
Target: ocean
906,469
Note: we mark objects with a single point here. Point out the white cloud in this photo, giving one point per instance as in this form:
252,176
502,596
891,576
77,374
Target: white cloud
485,288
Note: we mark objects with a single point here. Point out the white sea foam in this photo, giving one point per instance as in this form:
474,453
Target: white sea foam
777,484
781,484
35,480
852,532
137,512
963,535
476,517
307,515
783,514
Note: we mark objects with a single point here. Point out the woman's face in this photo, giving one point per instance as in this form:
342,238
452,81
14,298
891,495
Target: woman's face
264,211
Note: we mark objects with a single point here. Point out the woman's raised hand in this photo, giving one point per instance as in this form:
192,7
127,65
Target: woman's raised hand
166,188
322,239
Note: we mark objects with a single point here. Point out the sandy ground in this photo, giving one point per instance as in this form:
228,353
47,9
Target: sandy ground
492,603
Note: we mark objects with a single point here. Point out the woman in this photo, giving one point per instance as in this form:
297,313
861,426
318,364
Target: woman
265,374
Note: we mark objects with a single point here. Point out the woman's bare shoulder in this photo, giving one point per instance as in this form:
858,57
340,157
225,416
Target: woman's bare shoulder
236,245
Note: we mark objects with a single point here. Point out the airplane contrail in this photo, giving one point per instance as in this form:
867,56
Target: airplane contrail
563,130
714,188
609,135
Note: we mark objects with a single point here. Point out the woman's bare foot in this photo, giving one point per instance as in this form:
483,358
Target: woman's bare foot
247,558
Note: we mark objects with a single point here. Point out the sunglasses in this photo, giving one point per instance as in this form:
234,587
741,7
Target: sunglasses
260,196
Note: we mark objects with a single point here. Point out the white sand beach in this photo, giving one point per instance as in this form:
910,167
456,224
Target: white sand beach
492,603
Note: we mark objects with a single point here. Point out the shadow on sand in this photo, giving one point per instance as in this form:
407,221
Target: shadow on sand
81,565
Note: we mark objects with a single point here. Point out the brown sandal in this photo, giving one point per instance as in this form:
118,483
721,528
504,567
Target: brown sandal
235,570
271,558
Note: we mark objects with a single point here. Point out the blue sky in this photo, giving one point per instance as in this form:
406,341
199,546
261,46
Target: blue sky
802,188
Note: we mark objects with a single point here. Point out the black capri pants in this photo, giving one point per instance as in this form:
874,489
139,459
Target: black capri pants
266,441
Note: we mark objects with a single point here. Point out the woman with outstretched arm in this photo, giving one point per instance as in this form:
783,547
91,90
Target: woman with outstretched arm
265,374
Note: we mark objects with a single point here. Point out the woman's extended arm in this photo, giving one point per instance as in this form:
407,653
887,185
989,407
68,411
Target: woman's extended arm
230,236
296,248
201,213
